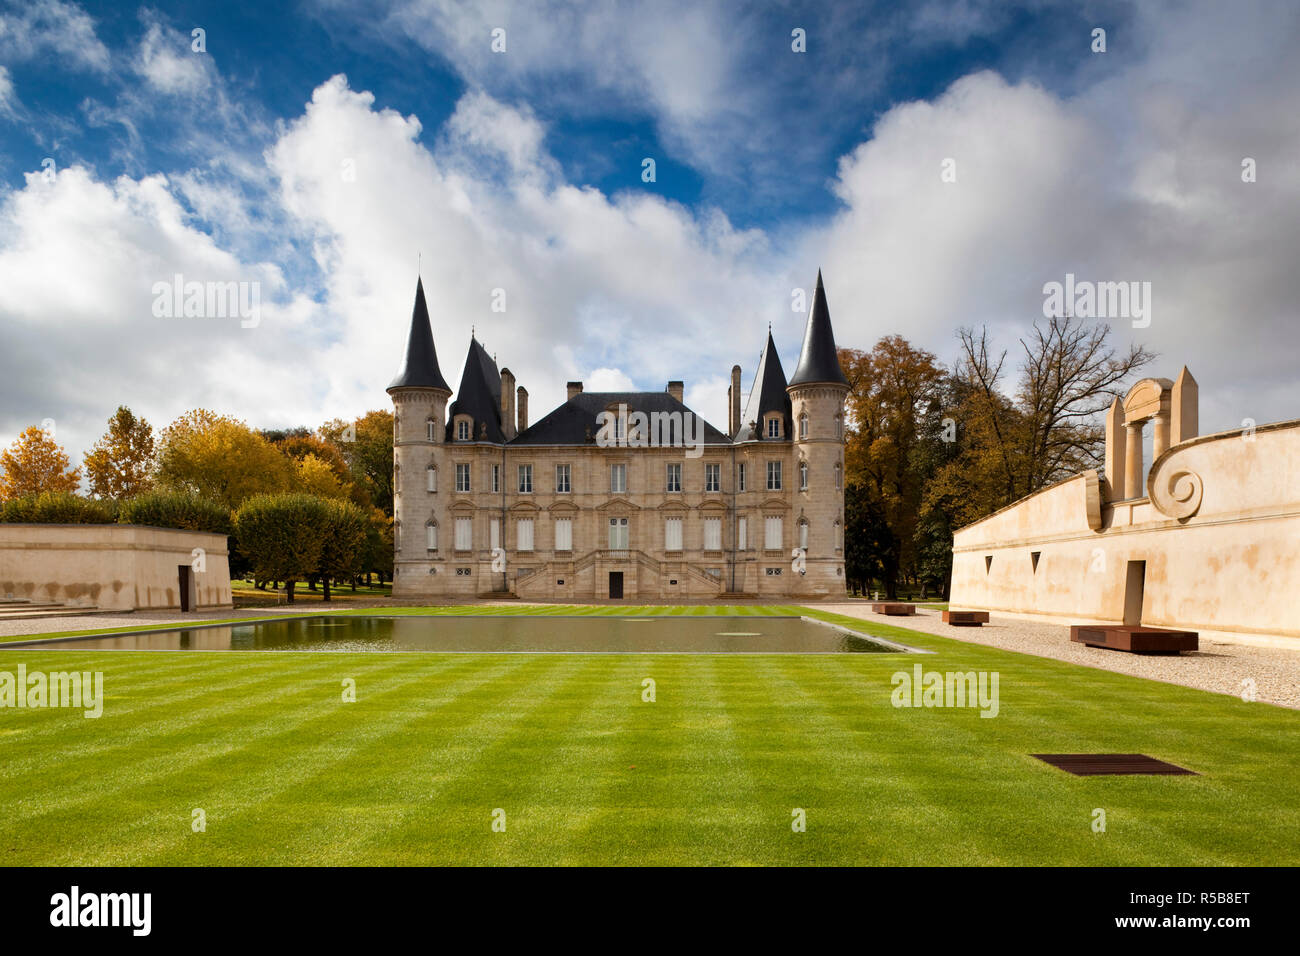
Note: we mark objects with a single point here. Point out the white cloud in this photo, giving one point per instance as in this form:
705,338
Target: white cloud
169,65
8,99
51,26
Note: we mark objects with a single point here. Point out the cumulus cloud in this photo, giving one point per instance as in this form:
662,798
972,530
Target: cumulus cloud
168,63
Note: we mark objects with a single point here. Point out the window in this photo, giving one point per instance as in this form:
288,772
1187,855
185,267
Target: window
839,426
803,476
397,536
774,427
988,563
803,425
462,476
674,477
618,479
525,479
464,534
803,535
740,477
741,536
773,476
839,535
672,534
772,534
712,534
496,478
431,479
618,534
563,534
462,430
562,483
1033,557
429,427
494,533
395,426
524,534
773,572
839,477
431,536
712,477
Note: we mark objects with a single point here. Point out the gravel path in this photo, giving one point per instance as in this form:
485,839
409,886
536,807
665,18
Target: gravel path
1218,667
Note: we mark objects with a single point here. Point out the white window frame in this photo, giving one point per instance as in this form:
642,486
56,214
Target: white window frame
431,479
563,479
712,534
619,535
618,479
774,476
712,476
464,540
673,482
430,536
742,535
462,430
462,472
524,534
803,476
563,534
773,532
525,479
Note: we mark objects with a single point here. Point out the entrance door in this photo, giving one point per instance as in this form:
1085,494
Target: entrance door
615,585
185,571
1134,587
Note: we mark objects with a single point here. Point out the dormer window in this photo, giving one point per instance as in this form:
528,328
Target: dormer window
462,430
774,426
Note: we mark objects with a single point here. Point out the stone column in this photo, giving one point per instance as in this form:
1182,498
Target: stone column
1133,461
1160,436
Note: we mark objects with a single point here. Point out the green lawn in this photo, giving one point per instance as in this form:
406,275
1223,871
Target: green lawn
587,773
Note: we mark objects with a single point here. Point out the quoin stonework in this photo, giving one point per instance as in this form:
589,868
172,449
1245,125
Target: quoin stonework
618,495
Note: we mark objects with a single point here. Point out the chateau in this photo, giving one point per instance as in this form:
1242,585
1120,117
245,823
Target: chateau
618,495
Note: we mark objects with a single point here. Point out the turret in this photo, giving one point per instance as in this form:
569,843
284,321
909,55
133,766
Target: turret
817,392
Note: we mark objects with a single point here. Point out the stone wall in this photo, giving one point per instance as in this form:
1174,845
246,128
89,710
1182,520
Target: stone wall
115,567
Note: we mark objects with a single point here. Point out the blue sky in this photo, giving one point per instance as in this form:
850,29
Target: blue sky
318,149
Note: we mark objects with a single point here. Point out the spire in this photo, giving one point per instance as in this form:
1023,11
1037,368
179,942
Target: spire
818,361
420,369
768,394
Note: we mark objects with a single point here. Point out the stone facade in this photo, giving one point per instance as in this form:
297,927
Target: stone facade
1203,540
486,505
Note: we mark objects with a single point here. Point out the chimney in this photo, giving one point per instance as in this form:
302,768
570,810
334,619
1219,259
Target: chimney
733,396
574,388
523,409
508,403
675,389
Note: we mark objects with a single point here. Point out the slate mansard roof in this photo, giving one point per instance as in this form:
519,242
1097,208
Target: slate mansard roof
571,423
479,395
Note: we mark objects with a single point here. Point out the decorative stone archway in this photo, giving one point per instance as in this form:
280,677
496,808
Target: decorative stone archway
1170,406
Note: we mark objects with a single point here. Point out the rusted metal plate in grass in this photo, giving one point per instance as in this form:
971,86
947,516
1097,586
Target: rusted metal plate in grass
1092,765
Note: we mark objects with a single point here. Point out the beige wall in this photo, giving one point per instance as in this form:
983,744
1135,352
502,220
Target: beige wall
117,567
1218,528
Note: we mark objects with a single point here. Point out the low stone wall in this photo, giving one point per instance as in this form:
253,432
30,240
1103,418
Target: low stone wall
115,567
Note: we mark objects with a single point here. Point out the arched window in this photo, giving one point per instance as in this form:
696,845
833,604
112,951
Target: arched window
396,418
803,425
839,535
429,429
431,478
803,476
803,535
839,426
839,477
431,535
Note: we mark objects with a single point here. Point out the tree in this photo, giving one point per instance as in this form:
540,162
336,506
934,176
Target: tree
894,393
367,446
220,459
282,536
343,542
120,463
57,507
313,476
35,463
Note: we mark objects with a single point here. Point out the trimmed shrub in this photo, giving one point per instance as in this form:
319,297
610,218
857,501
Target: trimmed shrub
58,507
176,509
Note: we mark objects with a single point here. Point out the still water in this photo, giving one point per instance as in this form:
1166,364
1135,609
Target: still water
482,634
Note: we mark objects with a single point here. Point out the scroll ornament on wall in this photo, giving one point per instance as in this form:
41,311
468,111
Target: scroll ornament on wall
1179,494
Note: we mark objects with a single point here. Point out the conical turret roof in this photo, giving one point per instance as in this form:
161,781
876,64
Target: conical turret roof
819,361
420,370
